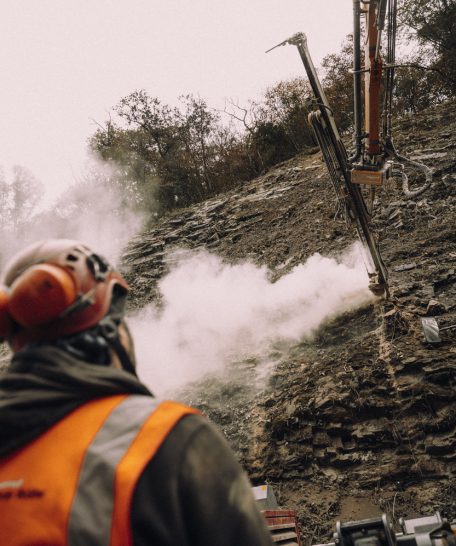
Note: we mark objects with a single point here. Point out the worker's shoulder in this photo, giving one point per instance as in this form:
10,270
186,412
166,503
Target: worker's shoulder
193,436
189,428
179,445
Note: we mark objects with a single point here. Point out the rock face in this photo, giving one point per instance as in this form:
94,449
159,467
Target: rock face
360,419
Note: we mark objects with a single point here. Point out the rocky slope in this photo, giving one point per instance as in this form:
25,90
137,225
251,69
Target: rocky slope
361,418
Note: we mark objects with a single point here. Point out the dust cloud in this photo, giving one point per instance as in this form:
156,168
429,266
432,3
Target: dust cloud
95,210
215,313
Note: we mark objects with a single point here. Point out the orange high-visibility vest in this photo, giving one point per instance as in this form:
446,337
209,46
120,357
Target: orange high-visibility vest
73,485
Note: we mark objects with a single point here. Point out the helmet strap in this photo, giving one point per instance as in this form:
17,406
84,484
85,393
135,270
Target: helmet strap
110,332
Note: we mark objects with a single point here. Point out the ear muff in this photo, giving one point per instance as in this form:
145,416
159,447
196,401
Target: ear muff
41,294
6,322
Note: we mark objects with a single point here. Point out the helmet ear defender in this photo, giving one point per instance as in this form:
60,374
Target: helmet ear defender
6,321
53,289
38,296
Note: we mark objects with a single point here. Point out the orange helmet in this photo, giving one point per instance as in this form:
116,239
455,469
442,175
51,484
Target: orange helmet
55,288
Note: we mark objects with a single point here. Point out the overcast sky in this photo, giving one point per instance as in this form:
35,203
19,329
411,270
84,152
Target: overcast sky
66,63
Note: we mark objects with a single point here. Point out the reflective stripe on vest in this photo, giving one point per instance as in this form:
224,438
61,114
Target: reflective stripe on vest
75,483
93,506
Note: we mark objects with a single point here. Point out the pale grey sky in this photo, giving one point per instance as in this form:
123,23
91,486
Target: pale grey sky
67,62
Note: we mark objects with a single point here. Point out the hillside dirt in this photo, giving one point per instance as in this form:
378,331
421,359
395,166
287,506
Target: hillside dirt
360,419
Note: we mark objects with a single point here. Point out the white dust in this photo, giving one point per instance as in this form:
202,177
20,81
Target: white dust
95,211
215,313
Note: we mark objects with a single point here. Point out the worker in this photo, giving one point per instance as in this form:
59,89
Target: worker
87,455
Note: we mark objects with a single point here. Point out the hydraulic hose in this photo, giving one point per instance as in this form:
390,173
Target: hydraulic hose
410,194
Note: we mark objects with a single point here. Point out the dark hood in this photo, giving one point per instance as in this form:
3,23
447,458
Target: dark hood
43,384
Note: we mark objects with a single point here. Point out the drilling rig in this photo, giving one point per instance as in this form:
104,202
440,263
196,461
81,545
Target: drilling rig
374,158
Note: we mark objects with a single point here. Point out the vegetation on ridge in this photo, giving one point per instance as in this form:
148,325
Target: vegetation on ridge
174,157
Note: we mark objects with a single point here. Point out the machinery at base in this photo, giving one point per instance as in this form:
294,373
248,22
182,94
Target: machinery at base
424,531
374,158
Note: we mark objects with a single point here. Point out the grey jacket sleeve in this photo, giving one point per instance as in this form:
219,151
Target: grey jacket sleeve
194,493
